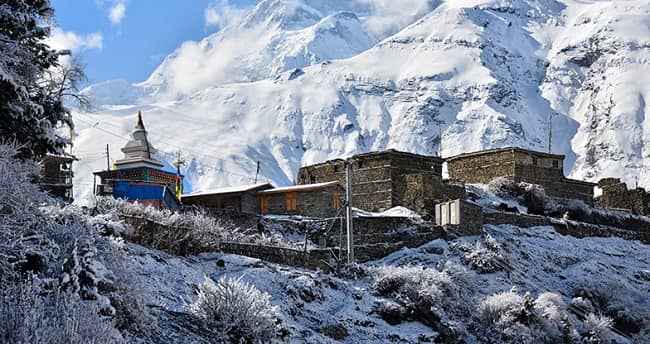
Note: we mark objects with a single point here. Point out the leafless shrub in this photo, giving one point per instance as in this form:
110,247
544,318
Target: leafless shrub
245,312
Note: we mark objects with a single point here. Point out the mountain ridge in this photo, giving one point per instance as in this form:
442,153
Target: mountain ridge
490,73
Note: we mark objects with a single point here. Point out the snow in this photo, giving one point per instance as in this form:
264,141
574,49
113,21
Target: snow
299,188
398,211
225,190
299,82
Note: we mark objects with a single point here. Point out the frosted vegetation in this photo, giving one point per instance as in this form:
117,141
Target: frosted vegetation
195,226
70,277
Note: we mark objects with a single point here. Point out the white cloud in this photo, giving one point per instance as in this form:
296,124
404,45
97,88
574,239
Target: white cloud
69,40
389,16
221,14
117,12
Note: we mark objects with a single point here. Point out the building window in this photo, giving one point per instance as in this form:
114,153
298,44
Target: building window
312,180
337,168
556,164
534,161
337,200
360,164
291,201
264,205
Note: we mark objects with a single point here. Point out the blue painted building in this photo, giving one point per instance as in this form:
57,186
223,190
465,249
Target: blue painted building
139,177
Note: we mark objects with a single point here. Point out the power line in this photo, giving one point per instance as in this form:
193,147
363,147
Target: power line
219,169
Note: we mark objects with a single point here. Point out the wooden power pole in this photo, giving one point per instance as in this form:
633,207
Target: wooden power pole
108,159
348,210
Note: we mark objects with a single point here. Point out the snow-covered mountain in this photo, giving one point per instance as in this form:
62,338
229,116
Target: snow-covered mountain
300,81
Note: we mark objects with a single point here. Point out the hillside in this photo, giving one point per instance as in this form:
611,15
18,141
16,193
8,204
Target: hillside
298,82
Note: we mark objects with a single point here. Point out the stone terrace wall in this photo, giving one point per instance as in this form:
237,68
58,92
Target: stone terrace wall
519,220
147,233
582,230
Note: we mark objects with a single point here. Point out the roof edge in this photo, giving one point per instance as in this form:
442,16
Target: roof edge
503,149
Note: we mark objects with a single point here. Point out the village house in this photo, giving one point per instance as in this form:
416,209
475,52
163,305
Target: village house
138,176
321,200
616,195
519,165
236,198
385,179
56,176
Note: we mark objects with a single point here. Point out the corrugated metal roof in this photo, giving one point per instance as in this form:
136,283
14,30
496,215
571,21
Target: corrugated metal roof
299,188
228,189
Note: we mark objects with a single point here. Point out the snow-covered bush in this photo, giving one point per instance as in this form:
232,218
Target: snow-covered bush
193,229
509,317
484,257
245,313
445,296
531,196
32,314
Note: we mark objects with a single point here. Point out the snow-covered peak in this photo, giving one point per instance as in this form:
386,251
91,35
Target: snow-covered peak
298,82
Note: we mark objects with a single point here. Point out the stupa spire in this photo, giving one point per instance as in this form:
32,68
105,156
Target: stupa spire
140,124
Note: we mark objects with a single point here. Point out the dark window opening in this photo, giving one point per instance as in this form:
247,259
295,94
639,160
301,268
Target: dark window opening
556,164
360,164
534,161
312,180
337,168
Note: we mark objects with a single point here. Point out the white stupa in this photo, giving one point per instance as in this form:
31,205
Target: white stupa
138,152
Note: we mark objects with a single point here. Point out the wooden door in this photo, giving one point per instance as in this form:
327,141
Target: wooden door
264,204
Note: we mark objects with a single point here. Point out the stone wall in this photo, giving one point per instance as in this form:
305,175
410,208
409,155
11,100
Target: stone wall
482,168
520,166
582,230
519,220
318,204
382,180
616,195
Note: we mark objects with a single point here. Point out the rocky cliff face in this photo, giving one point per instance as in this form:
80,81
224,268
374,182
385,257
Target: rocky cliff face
298,82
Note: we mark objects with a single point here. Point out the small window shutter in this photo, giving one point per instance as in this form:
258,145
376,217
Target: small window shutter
337,200
291,201
264,204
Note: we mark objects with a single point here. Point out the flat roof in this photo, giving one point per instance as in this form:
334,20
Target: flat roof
370,154
504,149
301,188
228,190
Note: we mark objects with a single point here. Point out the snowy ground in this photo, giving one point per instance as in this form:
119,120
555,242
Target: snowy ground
541,260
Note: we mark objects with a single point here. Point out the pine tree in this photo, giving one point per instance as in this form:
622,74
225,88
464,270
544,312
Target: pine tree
31,104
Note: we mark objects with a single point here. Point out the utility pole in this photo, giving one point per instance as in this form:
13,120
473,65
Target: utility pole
550,131
348,210
179,183
439,123
257,172
108,159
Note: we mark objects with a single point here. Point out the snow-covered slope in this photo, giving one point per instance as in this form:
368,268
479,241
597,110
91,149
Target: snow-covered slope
298,82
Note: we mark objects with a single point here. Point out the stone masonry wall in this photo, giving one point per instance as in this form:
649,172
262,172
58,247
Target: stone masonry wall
314,204
482,168
616,195
379,179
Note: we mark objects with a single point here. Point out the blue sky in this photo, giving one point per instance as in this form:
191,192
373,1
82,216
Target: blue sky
127,39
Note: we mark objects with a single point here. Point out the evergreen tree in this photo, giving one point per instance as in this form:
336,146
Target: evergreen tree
31,104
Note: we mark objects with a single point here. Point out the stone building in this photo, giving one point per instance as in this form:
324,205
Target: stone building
385,179
139,176
238,198
56,176
321,200
616,195
520,165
